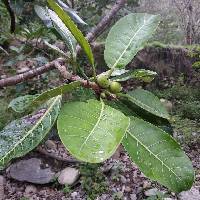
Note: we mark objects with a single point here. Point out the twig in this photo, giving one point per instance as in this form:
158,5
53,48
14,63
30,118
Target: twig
91,36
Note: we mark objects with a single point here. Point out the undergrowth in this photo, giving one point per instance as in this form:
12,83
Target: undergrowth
93,180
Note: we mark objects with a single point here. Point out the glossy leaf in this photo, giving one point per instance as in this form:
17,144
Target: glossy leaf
127,37
23,135
20,104
119,72
91,130
64,32
66,88
43,15
147,101
73,29
158,155
72,13
141,74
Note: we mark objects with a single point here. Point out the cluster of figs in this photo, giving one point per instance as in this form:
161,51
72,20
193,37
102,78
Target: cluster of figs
104,82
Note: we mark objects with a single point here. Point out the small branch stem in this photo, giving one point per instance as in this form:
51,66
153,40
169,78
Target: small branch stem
110,72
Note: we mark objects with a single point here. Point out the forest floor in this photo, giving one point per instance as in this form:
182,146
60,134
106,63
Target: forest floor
123,180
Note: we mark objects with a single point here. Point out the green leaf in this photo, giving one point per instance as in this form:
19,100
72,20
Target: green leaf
141,74
72,13
51,19
91,130
20,104
74,30
147,101
119,72
64,32
127,37
66,88
23,135
158,155
43,15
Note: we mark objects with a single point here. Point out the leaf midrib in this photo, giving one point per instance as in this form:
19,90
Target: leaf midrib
131,40
39,121
95,126
151,153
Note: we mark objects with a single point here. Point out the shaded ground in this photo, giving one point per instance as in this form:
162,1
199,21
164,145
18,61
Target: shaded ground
123,179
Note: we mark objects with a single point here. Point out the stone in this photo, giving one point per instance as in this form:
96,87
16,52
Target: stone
68,176
151,192
32,171
133,197
192,194
127,189
1,187
123,179
30,189
74,194
146,184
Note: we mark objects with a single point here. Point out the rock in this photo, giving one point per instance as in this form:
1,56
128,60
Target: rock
74,194
168,199
146,184
50,144
151,192
68,176
31,171
127,189
30,189
123,179
192,194
1,187
133,197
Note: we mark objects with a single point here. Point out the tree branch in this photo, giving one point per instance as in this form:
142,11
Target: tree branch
30,74
91,36
106,20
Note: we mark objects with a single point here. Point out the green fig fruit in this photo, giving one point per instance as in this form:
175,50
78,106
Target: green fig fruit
115,87
103,81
